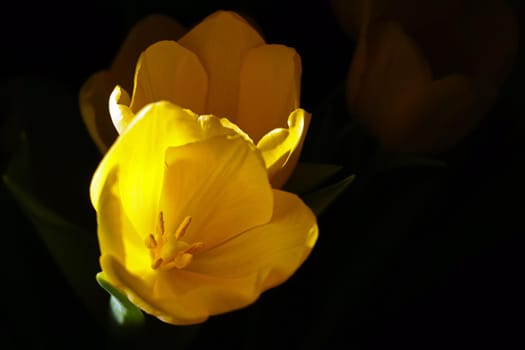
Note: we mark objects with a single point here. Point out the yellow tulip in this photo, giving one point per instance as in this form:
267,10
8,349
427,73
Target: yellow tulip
223,67
188,224
424,72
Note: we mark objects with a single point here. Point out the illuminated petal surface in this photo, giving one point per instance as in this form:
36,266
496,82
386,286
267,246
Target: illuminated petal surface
121,113
221,184
139,154
229,276
168,71
116,235
221,41
270,253
281,147
269,90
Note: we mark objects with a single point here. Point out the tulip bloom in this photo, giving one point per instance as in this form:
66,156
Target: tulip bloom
223,67
188,223
424,72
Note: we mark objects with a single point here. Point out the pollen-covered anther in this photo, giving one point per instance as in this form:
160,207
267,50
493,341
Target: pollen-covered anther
181,230
150,241
169,250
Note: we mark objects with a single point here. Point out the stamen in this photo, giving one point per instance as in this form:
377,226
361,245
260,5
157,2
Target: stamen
194,247
181,230
161,223
170,251
180,261
156,263
151,243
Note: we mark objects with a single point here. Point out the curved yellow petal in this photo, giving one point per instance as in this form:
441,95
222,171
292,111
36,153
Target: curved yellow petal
220,41
95,92
226,278
168,71
116,234
93,103
281,148
121,114
272,252
144,33
139,153
221,183
176,296
269,91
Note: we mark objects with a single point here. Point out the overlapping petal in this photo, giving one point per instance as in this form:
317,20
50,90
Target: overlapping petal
281,147
269,90
229,276
221,183
168,71
221,41
139,155
94,94
223,67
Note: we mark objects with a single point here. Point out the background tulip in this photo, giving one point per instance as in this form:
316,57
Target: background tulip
424,72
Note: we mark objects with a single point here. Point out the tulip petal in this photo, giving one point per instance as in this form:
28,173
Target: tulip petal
121,114
113,224
147,31
178,297
226,278
447,105
168,71
270,80
281,148
221,42
139,153
94,94
272,251
93,99
395,73
221,183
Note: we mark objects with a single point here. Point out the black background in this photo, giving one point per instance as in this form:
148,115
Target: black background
410,257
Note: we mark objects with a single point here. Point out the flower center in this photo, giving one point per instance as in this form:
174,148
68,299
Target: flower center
168,250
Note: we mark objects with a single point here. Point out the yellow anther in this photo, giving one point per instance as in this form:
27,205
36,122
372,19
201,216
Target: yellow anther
161,223
169,250
194,247
156,263
151,243
181,230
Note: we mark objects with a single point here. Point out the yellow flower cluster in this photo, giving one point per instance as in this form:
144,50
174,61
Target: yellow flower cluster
189,224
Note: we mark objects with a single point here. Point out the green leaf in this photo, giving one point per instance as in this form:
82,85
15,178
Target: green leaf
123,311
321,199
308,176
71,247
